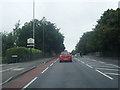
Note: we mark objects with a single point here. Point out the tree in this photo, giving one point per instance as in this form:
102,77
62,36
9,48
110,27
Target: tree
105,37
53,39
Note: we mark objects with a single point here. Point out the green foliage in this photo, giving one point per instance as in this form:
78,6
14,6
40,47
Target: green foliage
105,37
7,42
73,52
53,39
23,54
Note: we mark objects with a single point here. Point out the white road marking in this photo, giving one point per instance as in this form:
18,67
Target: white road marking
108,69
82,62
10,64
89,66
8,69
18,69
113,65
1,65
104,74
54,61
30,82
51,64
93,60
101,62
113,73
101,66
6,81
44,70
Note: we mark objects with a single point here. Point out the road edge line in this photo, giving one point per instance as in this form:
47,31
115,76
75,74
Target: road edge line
44,70
30,82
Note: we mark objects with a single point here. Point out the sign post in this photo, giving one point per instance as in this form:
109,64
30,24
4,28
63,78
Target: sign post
30,44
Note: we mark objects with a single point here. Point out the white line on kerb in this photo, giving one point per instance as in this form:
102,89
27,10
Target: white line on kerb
6,81
89,66
104,74
30,82
51,64
44,70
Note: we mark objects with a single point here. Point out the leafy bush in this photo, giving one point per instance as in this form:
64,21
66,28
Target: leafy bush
23,54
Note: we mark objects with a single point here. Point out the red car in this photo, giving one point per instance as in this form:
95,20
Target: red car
65,57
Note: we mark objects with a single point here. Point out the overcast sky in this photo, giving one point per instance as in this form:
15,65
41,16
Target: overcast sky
73,17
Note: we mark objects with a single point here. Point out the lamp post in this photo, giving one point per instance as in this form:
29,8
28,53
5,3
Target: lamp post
33,20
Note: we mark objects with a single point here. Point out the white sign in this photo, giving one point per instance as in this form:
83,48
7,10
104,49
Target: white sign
30,40
14,55
30,45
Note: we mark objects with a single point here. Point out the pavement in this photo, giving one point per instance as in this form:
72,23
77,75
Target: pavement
83,72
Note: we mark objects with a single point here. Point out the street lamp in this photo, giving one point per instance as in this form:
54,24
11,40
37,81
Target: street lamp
33,20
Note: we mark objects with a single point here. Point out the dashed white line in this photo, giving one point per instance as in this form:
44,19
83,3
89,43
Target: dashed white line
51,64
89,66
44,70
104,74
30,82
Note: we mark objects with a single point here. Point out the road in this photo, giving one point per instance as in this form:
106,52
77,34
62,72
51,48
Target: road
81,73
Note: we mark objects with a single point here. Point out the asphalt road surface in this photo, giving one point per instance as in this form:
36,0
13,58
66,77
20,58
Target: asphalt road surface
81,73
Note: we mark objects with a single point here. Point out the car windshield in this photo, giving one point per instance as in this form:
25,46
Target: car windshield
64,53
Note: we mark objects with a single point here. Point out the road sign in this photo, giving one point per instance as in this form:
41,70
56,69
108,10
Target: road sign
14,56
30,40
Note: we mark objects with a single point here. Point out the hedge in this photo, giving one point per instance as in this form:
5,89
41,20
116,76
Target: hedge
23,54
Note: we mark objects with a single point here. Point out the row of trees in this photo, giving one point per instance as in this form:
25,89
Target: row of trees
53,39
105,37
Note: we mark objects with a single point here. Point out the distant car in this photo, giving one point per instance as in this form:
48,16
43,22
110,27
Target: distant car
65,57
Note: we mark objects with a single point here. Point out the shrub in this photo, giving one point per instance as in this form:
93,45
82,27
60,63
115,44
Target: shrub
23,54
